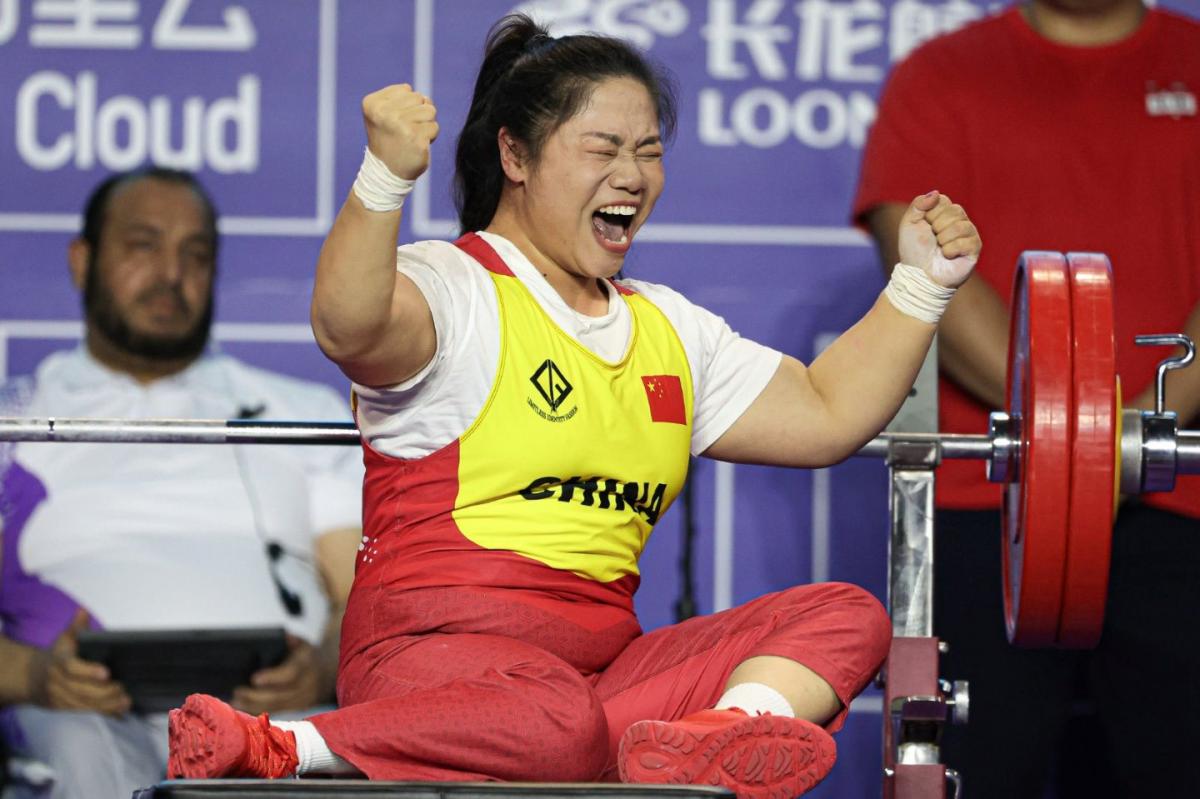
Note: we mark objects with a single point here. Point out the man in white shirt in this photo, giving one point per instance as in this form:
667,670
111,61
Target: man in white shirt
135,536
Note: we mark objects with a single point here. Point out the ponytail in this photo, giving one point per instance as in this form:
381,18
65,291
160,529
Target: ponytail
531,83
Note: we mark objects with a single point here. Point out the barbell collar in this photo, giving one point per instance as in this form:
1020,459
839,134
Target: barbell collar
1159,451
1004,460
1131,451
1187,452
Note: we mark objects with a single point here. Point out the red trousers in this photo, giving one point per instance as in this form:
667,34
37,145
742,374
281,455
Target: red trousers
496,688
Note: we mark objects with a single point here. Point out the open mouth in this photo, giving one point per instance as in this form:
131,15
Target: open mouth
612,223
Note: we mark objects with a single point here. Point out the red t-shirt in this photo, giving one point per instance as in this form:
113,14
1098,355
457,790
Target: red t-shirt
1051,147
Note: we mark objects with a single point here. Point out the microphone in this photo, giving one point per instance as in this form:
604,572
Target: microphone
250,411
290,599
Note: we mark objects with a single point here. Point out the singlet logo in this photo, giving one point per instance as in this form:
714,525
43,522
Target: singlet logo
554,389
1174,102
602,493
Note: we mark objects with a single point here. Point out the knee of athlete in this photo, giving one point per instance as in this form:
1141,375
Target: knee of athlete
872,620
573,742
578,752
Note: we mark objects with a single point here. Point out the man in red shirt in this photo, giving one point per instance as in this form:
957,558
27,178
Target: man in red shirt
1087,110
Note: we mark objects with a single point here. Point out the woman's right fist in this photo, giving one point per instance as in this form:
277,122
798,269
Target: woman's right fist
401,125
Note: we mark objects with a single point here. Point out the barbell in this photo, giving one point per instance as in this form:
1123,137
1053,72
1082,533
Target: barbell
1064,448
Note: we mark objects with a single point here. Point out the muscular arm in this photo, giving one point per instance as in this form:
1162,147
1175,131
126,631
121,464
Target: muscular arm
367,318
822,413
973,334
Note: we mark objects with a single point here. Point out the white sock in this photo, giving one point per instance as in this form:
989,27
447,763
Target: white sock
315,755
756,698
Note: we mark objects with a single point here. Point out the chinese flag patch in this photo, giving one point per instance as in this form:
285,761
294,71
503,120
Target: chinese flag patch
665,395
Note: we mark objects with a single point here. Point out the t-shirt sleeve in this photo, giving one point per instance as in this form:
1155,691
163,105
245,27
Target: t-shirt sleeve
913,146
434,406
728,371
419,262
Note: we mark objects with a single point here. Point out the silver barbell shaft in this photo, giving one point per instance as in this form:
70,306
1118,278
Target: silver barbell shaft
1188,453
952,446
177,431
237,431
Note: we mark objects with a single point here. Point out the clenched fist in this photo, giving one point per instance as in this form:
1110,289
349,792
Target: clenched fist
401,125
937,236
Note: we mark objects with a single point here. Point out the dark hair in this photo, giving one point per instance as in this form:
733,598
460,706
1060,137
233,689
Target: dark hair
96,208
531,83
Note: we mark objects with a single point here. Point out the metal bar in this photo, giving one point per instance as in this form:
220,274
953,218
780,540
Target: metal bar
177,431
953,446
1188,452
237,431
910,552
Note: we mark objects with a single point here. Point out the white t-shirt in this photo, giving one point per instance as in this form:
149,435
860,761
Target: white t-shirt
159,536
437,405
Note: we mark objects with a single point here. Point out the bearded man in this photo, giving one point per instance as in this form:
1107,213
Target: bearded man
136,536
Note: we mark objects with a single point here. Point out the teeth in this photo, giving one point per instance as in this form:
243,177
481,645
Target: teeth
619,210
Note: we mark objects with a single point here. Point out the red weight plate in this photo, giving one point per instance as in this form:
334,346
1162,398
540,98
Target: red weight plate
1093,451
1035,509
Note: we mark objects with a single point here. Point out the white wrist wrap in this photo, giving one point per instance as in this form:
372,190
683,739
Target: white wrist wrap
915,293
377,187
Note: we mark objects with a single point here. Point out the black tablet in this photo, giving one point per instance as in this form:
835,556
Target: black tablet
159,668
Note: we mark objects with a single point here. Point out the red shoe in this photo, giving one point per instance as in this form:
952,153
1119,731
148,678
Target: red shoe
208,738
757,757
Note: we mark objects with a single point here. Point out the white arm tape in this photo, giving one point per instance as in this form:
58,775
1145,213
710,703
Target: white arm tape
377,187
915,293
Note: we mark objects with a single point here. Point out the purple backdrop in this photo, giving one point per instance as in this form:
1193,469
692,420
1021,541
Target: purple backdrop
262,98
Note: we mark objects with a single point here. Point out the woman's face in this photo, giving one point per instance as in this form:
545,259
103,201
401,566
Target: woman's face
596,181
